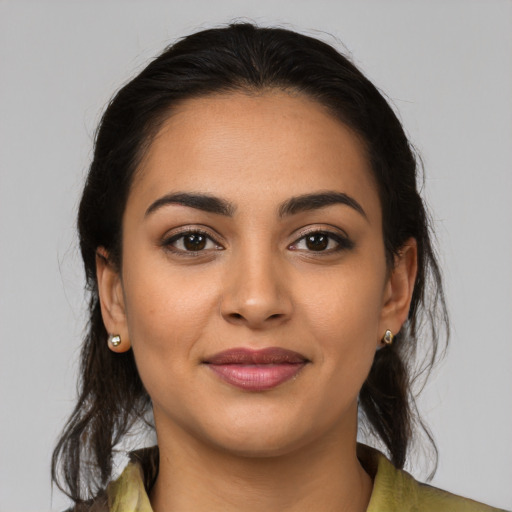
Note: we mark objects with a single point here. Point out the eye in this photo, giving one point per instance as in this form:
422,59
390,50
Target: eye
322,241
192,241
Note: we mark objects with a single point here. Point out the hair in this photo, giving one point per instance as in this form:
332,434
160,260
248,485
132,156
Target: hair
244,58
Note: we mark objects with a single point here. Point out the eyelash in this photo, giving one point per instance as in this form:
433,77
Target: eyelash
343,242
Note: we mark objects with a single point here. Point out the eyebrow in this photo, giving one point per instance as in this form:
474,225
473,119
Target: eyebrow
198,201
292,206
316,201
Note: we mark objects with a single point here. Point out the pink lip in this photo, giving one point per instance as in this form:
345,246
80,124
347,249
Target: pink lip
256,370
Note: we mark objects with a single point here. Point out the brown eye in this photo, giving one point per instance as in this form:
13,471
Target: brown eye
194,242
191,242
322,242
317,242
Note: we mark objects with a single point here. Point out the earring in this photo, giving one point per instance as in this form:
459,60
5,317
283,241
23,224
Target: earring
387,339
114,340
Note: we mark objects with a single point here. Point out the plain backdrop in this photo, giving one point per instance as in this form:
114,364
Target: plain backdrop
447,68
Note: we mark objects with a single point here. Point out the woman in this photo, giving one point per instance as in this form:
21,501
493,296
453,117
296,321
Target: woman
259,262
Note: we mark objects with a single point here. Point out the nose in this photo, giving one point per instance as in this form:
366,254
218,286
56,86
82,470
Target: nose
256,293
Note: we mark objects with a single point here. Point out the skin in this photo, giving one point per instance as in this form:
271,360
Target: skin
256,284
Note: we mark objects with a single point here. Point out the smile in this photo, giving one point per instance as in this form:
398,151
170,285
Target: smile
256,370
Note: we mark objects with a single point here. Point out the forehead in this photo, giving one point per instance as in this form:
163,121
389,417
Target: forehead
266,146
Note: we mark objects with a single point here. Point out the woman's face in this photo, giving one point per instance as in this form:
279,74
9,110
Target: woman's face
254,289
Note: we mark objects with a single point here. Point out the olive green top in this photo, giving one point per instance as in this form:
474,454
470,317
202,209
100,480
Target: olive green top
394,490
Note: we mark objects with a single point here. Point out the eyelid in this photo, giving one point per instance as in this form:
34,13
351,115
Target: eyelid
321,228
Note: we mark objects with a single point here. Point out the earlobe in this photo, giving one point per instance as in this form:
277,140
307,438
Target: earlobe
399,288
112,302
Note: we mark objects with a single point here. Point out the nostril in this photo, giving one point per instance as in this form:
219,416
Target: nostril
238,316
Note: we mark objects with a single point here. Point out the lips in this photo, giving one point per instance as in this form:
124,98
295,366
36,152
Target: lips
256,370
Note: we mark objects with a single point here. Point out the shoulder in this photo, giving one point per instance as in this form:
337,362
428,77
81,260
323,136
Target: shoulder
128,493
395,489
432,498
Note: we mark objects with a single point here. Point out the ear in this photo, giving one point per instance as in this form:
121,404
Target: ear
110,292
399,288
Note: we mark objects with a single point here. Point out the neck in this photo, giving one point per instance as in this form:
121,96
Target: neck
325,476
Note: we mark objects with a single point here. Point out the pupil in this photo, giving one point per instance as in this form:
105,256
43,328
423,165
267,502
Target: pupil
317,242
194,242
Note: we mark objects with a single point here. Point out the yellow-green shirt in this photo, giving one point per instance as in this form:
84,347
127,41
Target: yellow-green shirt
394,490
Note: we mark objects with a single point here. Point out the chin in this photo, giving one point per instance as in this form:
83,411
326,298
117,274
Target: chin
258,447
260,439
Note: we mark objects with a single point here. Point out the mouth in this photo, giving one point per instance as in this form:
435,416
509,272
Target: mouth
256,370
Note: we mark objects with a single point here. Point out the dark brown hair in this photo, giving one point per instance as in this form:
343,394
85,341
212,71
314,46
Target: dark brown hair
242,57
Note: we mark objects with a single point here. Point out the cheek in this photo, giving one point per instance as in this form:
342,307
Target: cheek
167,315
343,314
167,311
348,302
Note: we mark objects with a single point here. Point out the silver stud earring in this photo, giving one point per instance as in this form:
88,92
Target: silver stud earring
387,339
114,340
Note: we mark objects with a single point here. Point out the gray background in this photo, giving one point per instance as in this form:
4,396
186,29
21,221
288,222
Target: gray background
446,65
